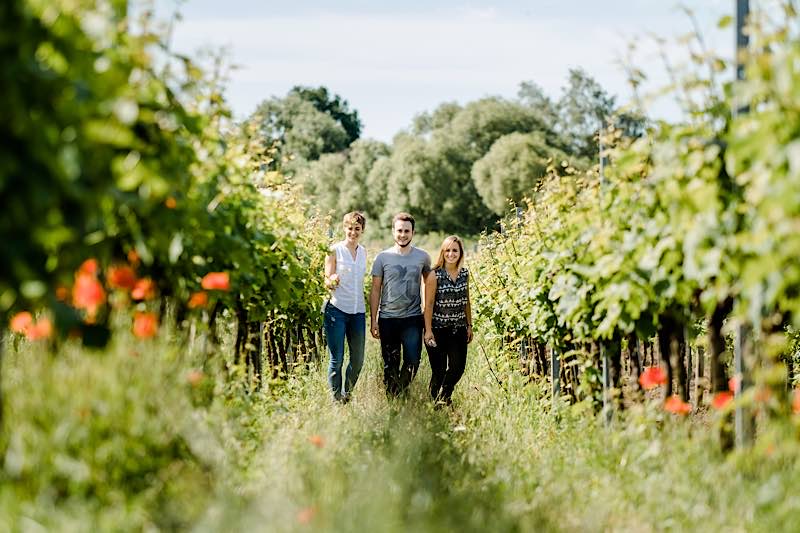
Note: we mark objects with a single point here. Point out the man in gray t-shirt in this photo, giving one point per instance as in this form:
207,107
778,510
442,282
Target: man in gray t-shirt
397,275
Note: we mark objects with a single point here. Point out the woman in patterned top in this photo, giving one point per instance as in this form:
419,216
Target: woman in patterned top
448,319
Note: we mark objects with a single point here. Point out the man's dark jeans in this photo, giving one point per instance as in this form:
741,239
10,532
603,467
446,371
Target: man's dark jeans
397,333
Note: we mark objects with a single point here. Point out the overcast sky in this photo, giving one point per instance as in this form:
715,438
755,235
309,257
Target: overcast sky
392,60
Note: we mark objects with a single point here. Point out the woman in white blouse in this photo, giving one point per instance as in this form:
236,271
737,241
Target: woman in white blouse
345,315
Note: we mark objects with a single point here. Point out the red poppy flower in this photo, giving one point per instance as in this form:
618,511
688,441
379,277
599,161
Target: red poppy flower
88,294
89,267
21,322
194,377
305,516
133,257
317,441
41,330
652,376
763,395
198,299
62,293
121,277
722,399
674,404
170,203
144,289
145,325
796,401
216,281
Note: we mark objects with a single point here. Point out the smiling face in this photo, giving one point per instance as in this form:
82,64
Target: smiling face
403,232
452,254
352,232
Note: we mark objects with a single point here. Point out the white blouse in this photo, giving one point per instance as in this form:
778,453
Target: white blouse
349,295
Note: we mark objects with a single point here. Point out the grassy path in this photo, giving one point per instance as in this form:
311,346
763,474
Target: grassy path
496,462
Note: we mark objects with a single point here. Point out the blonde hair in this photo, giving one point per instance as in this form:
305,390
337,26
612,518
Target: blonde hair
451,239
354,217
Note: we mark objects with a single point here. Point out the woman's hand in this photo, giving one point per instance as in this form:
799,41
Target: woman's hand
429,339
469,334
332,281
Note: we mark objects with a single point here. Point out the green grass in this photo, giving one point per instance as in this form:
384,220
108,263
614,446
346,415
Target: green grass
121,441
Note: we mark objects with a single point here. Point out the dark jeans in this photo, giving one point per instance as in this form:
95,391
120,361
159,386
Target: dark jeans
397,333
448,359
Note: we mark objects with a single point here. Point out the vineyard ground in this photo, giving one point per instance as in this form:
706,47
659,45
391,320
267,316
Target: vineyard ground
291,460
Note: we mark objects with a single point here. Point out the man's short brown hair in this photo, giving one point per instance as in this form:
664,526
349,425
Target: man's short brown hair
354,217
405,217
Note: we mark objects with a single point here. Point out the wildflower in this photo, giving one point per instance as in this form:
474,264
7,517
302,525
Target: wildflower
133,257
42,329
21,322
306,515
219,281
198,299
62,293
170,202
763,395
721,399
88,294
144,289
796,401
121,277
145,325
194,377
652,377
317,441
674,404
89,267
734,383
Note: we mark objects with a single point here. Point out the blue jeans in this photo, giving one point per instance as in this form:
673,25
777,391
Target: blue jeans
339,325
397,333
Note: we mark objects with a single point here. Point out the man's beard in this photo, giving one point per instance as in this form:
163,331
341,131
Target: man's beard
402,245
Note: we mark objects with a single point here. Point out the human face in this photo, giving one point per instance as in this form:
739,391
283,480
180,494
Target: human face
403,233
452,254
352,232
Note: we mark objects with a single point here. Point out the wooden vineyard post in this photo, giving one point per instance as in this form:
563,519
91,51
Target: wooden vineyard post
555,375
742,417
699,376
607,400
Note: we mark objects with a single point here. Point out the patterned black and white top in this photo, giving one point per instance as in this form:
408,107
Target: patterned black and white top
450,304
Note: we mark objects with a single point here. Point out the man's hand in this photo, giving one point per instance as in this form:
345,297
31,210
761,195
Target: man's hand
373,329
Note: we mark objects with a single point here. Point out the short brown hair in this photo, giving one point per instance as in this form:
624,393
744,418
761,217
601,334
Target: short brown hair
405,217
355,217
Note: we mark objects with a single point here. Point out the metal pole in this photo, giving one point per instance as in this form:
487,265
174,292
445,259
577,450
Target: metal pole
742,40
740,425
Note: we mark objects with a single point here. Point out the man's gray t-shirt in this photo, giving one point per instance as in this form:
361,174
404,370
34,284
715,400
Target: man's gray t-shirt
400,293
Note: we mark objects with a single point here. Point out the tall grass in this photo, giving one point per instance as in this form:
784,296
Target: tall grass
129,439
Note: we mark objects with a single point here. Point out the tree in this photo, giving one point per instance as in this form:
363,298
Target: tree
584,108
340,181
305,124
532,95
334,106
512,167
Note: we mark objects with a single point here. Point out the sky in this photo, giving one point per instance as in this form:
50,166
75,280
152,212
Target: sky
393,60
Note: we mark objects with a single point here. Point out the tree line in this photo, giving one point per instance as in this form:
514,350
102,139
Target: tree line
456,167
